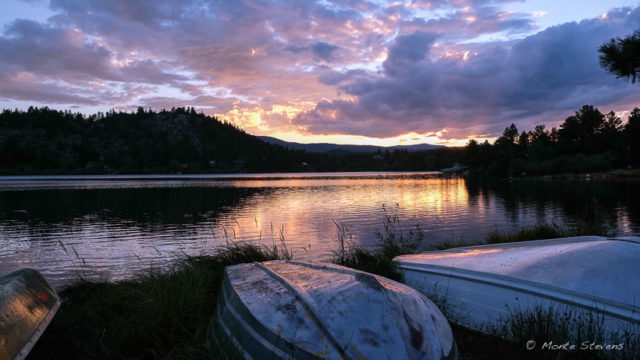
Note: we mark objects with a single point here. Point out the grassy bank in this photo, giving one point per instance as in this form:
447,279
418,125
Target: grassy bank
158,315
540,325
165,314
392,242
549,231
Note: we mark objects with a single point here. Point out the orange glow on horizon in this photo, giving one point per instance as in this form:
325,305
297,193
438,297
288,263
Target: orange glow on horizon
438,138
277,122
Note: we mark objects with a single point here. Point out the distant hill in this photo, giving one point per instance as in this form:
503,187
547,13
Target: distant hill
338,149
47,141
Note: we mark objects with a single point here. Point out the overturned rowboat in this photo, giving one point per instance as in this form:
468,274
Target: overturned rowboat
27,305
297,310
484,284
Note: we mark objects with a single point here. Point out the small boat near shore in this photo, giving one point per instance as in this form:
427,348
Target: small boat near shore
27,305
484,284
455,169
298,310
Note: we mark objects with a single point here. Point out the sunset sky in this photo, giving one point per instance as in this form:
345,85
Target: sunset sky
342,71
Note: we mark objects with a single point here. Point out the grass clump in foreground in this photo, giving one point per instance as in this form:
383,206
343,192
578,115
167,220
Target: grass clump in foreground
507,338
391,243
549,231
591,222
160,314
550,333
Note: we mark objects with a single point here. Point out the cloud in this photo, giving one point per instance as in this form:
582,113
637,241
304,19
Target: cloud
243,46
434,4
24,86
333,66
470,22
552,72
324,51
31,46
319,50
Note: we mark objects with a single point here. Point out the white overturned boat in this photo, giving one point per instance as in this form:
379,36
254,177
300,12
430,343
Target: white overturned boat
27,305
482,284
297,310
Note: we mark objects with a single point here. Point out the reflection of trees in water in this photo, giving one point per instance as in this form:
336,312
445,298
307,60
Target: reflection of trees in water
144,206
588,201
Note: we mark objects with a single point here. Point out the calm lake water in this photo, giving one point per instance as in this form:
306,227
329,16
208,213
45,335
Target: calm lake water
111,227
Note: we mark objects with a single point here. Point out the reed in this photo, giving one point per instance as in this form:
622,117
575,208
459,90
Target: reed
392,241
550,231
507,338
550,333
159,314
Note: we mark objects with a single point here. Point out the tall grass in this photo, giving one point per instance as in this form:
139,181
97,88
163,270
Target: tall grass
591,222
507,338
542,332
391,242
549,231
161,314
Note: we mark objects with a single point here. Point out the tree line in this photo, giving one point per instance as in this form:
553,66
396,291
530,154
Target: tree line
180,140
586,141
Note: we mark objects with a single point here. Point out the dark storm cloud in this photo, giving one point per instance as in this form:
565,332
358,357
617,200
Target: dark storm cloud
324,51
320,50
407,52
553,71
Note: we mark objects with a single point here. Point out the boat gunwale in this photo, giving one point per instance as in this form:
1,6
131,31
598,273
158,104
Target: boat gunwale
28,284
26,349
530,243
625,312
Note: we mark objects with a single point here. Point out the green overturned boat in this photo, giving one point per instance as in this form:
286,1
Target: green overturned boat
27,305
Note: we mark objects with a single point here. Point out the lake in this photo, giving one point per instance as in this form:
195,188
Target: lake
112,227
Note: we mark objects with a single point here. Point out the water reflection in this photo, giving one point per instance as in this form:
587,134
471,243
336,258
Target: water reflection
112,228
616,203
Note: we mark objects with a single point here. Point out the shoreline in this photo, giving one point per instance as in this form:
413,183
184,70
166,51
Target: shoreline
226,176
614,174
166,313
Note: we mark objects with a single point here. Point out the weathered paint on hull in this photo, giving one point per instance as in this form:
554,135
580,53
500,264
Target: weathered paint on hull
27,305
484,284
287,309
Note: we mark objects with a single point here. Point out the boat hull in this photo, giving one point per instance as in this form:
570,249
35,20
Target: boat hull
27,305
588,277
288,309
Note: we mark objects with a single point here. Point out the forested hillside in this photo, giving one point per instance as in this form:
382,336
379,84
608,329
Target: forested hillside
45,141
180,140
